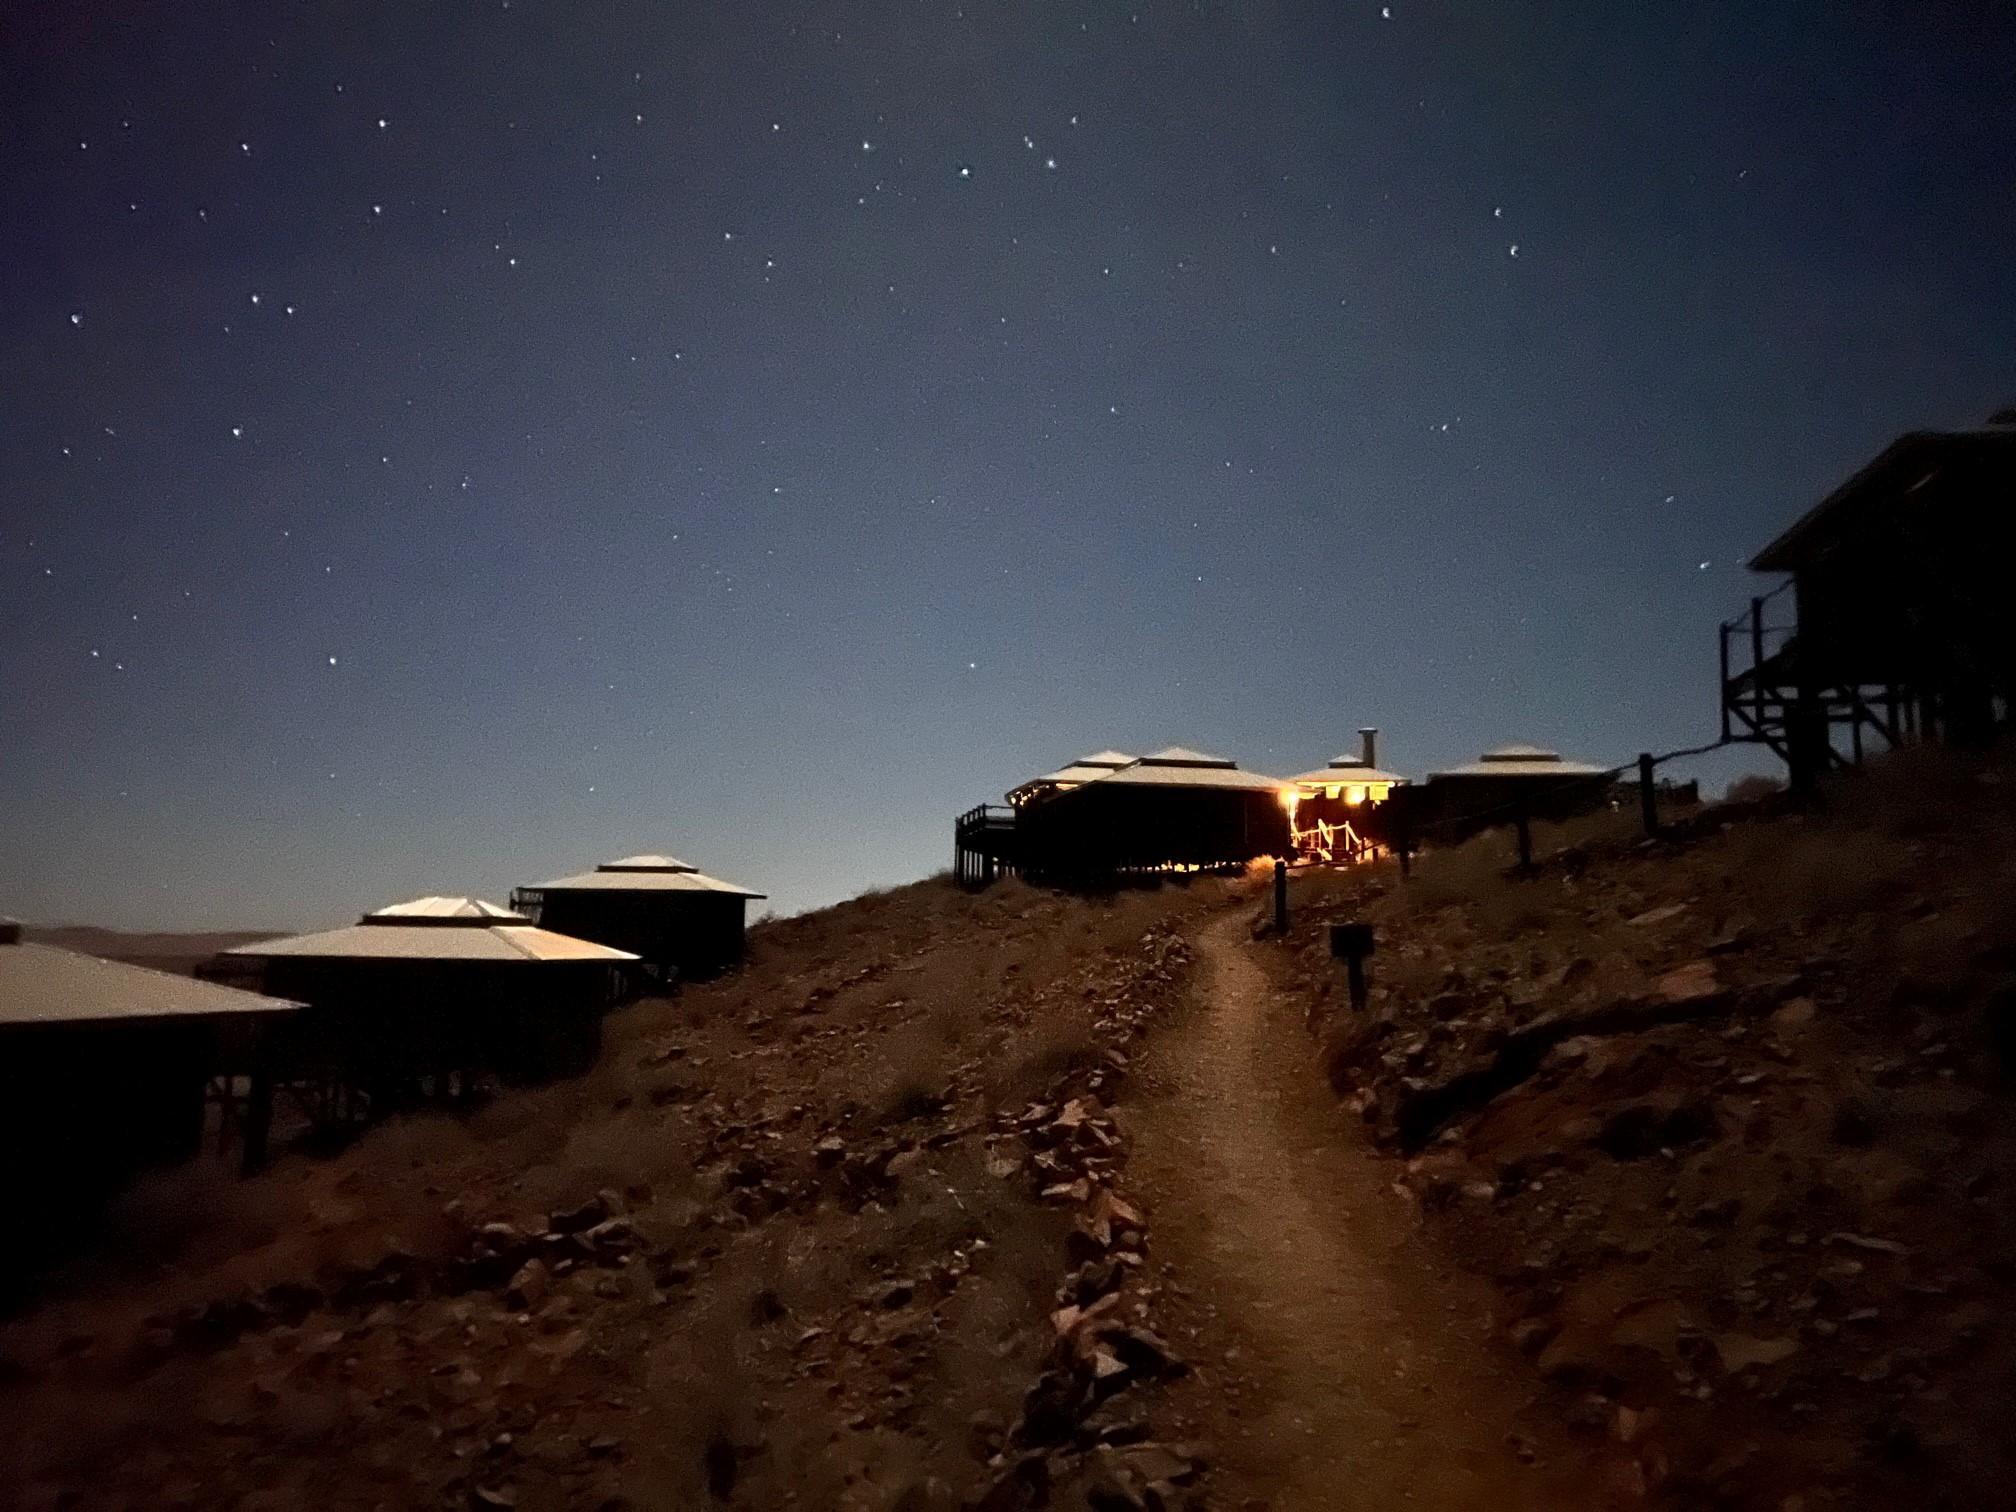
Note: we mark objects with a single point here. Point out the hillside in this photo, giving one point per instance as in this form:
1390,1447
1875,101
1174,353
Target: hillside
1671,1176
1726,1120
788,1242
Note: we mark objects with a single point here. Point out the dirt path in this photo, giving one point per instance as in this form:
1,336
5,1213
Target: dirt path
1341,1364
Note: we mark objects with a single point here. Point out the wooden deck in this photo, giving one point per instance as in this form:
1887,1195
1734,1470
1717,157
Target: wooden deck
983,845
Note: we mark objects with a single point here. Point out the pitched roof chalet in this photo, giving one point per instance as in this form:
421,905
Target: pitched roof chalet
42,984
1522,761
415,931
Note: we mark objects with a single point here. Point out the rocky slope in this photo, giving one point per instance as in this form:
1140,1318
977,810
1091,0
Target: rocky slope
1728,1119
847,1229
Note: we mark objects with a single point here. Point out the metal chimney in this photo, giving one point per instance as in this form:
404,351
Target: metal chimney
1370,747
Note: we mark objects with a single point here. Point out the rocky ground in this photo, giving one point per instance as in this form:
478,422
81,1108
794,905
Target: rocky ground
847,1229
1727,1119
1676,1175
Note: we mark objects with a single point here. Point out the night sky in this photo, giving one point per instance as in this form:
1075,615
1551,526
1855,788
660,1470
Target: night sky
446,445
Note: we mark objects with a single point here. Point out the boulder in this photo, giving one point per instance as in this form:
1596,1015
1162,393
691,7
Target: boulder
528,1287
576,1219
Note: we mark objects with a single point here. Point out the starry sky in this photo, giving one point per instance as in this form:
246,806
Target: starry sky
444,445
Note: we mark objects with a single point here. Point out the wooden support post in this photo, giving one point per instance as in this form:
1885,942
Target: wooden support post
1525,841
1807,740
258,1113
1722,688
1648,803
1281,897
1757,657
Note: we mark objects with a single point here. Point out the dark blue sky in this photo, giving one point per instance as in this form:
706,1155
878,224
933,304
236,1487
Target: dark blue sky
758,432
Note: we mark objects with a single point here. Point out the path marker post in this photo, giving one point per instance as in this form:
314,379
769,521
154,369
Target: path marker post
1280,897
1648,804
1352,944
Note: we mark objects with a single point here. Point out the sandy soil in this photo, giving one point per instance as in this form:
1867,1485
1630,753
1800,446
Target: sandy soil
1355,1367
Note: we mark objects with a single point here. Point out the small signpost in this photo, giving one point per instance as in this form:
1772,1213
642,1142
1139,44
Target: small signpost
1352,944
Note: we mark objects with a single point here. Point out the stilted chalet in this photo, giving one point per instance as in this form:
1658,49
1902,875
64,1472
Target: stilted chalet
680,921
1339,811
1498,788
1177,809
433,991
1899,622
983,838
1085,769
105,1068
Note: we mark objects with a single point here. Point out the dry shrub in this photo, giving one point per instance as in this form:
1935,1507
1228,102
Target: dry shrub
1463,873
706,1364
1751,788
919,1058
1800,873
1923,791
1036,1057
174,1215
1606,827
1517,907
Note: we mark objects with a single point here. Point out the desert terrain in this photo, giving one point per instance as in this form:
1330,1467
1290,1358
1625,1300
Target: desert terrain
1671,1176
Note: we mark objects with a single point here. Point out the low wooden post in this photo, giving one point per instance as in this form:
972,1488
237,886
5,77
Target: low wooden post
1648,803
1352,944
1280,897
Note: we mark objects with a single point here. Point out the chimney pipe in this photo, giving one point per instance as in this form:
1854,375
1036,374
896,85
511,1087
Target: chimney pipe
1370,745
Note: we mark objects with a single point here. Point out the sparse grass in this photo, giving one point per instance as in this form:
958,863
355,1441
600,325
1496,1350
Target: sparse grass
1037,1056
1752,787
919,1057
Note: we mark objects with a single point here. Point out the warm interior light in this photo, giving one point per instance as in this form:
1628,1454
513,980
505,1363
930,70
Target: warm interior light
1354,795
1329,842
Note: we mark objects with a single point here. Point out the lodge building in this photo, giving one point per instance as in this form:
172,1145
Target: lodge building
679,921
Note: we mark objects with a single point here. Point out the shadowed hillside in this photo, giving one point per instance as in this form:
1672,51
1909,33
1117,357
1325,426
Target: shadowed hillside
1727,1117
790,1236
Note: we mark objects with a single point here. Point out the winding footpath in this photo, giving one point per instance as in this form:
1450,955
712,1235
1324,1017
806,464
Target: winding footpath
1352,1367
